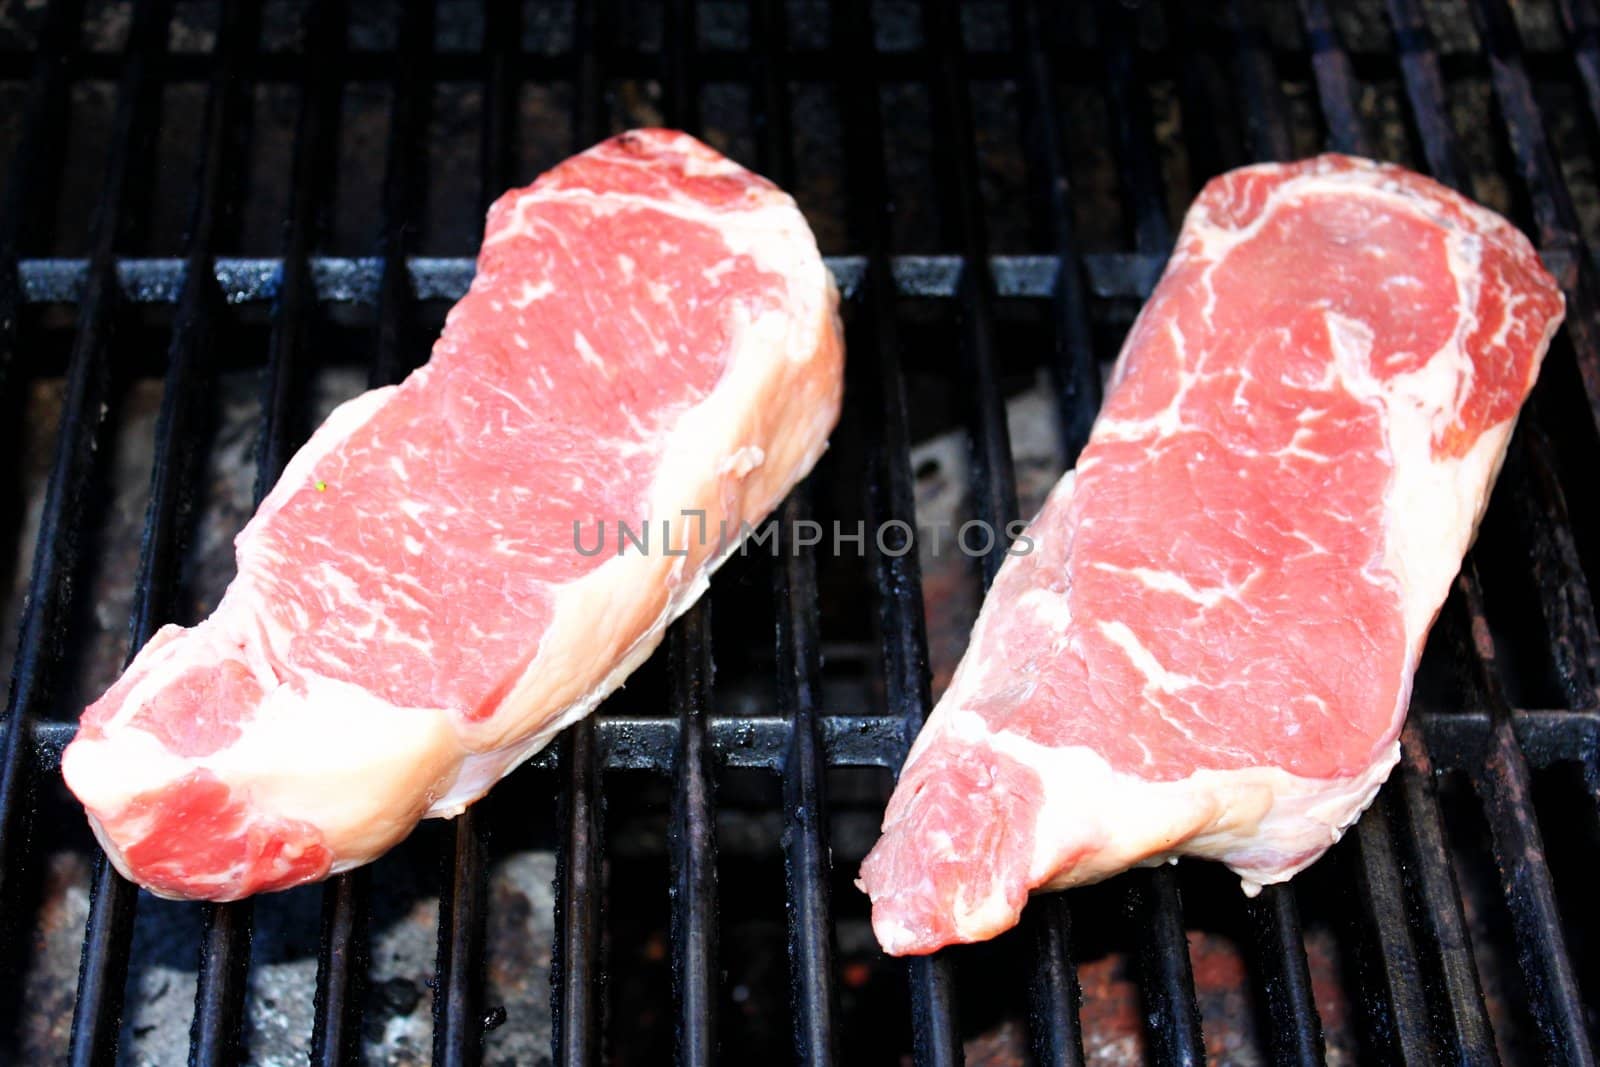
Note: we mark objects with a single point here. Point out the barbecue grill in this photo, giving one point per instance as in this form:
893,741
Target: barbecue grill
996,187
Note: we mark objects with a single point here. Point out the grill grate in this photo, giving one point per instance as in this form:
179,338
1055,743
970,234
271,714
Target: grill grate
1418,981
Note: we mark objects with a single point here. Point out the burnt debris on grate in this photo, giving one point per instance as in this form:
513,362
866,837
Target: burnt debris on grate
218,220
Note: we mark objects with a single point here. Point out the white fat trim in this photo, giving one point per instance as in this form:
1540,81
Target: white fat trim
1254,819
107,774
299,755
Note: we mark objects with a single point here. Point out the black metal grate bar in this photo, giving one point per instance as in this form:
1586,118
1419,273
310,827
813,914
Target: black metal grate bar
1547,737
994,484
88,385
229,927
1074,370
1296,1032
1393,993
1208,112
225,939
316,132
501,35
1424,82
406,155
721,63
1260,90
1335,81
340,959
1171,1015
32,160
807,857
103,970
1563,590
457,992
458,1017
627,60
1582,24
35,157
1054,996
357,279
806,853
37,151
898,579
1057,1035
692,844
1138,171
1466,1026
575,966
1554,216
1504,784
692,837
994,481
459,1020
1507,791
575,971
1564,596
759,742
341,963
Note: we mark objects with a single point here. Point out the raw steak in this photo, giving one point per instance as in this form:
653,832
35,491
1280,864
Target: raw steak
1209,649
651,330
